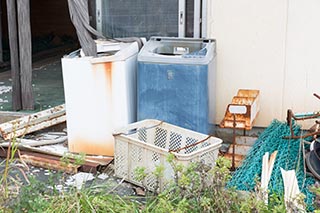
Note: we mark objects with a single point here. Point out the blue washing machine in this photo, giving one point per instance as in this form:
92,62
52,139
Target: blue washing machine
176,82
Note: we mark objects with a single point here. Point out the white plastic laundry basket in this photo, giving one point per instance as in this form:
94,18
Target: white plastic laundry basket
148,142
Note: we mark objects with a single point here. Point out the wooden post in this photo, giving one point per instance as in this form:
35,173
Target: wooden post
14,55
1,46
25,54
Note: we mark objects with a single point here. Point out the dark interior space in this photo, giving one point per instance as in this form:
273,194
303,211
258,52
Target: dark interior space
51,28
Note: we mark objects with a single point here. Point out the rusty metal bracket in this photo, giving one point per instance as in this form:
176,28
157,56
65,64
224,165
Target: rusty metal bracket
191,145
291,117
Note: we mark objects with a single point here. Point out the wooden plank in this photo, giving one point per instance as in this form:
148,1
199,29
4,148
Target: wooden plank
91,167
271,163
267,167
34,118
34,127
33,122
54,162
102,160
49,163
14,55
24,31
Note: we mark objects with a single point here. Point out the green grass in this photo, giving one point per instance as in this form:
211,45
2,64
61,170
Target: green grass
196,188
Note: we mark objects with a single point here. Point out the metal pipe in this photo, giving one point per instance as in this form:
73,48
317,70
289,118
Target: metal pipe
234,141
99,16
301,136
316,95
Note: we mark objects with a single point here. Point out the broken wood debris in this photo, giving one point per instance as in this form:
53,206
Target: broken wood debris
35,151
33,122
267,167
102,160
32,146
49,161
291,190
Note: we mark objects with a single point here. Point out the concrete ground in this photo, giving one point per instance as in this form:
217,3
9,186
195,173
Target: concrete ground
47,85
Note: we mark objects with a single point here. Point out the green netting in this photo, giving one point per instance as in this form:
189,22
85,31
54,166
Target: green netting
289,157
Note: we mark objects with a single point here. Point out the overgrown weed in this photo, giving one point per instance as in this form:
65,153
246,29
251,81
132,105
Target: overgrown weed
195,188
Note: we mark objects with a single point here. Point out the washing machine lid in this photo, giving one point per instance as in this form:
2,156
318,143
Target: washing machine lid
108,52
178,50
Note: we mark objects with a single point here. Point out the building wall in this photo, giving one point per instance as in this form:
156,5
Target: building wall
270,45
302,71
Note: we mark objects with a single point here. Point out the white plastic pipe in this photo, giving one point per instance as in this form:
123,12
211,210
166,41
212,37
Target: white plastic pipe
182,18
204,19
196,19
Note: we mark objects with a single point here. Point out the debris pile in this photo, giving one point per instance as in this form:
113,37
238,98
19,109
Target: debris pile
46,149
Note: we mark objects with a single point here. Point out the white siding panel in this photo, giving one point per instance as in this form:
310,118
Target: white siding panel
250,52
302,73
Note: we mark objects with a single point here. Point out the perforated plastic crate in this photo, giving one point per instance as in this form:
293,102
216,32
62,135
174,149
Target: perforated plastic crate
148,142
